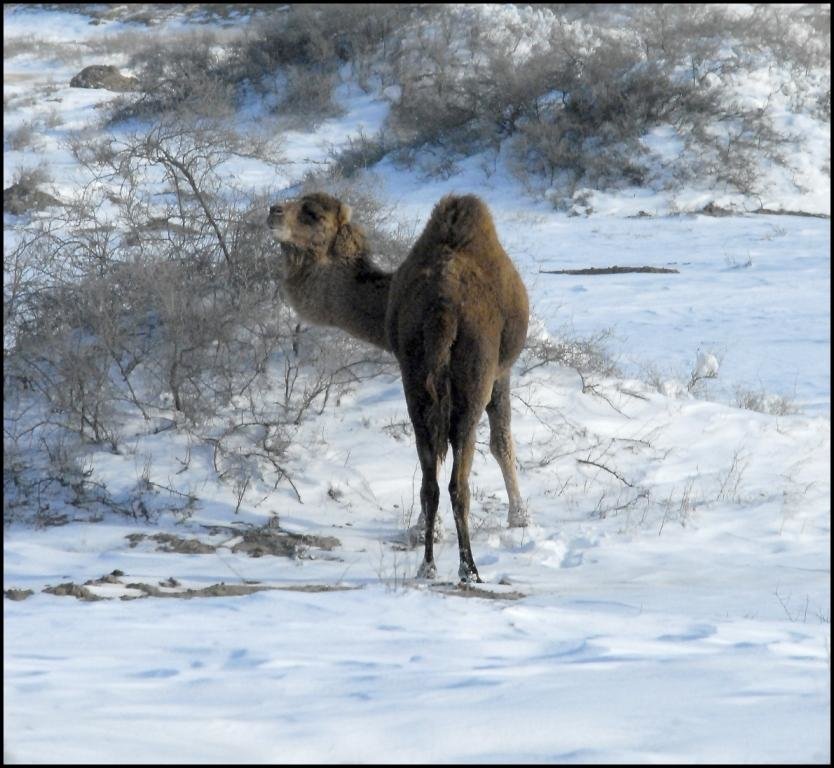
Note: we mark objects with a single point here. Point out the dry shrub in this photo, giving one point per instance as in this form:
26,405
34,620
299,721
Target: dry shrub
25,136
759,400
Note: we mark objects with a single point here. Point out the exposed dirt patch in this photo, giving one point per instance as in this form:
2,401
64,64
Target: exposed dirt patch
772,212
109,578
168,542
270,541
17,594
317,588
235,590
80,592
215,590
255,542
711,209
171,584
68,589
459,590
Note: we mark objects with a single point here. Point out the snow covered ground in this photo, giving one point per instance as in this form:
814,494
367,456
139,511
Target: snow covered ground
670,602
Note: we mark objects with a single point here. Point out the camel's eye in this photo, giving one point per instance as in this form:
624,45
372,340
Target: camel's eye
309,214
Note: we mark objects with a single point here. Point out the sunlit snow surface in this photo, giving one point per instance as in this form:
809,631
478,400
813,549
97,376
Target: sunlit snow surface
691,625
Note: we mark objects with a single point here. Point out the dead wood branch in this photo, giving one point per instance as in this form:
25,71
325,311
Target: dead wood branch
611,471
607,270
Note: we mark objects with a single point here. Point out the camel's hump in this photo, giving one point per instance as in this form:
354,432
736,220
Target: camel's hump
460,220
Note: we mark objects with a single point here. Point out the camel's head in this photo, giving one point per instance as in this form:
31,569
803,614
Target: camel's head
316,227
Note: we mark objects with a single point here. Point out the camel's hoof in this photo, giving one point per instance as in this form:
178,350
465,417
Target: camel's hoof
467,575
518,518
427,571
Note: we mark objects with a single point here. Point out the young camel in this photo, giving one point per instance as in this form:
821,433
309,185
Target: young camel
455,316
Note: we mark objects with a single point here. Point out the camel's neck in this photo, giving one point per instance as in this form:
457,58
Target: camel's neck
351,296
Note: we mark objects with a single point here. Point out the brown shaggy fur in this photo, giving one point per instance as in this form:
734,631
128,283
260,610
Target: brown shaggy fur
455,316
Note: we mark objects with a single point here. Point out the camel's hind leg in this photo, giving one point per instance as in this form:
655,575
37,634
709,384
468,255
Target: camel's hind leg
429,501
429,489
501,445
462,437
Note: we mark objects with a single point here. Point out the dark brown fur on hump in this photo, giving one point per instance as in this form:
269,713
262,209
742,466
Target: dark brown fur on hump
457,223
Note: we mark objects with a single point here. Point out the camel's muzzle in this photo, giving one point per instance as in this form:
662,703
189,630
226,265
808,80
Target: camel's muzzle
277,224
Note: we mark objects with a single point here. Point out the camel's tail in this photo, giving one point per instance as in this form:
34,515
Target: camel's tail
439,335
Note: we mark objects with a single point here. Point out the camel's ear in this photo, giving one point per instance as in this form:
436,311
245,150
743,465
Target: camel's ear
349,242
345,212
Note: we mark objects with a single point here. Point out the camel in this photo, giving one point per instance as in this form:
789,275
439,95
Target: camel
454,314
